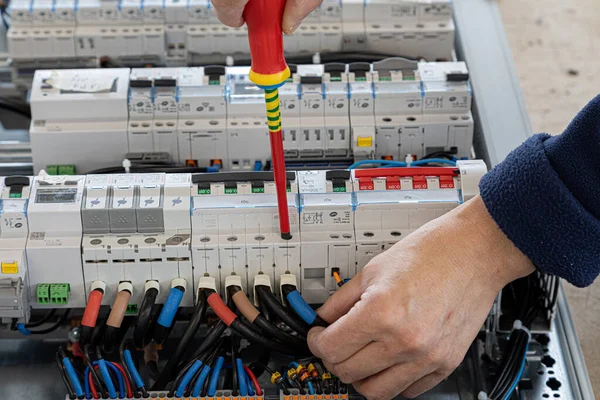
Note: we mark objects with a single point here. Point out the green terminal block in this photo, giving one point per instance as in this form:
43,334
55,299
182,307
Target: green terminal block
43,293
339,189
15,196
68,169
203,191
132,309
52,169
59,293
258,190
231,191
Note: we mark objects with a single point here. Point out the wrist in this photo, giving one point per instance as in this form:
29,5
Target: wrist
492,252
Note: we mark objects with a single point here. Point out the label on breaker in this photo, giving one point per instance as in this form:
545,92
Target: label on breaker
403,11
407,196
80,82
326,217
152,179
312,182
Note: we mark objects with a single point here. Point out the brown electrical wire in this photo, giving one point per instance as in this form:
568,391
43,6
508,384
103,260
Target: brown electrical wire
246,308
119,308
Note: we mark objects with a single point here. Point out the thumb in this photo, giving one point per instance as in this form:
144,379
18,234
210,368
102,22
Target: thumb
342,300
295,12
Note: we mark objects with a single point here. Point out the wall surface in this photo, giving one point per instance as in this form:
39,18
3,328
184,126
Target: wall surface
555,46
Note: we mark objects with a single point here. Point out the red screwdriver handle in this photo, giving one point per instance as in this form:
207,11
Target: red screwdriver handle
263,18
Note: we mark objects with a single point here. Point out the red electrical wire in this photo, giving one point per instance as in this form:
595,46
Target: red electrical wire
120,368
278,161
250,374
90,315
221,309
92,385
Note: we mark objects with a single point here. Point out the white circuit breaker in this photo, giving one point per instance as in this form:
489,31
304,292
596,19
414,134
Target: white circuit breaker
327,231
134,231
54,245
62,235
79,117
421,108
14,278
235,227
331,113
180,33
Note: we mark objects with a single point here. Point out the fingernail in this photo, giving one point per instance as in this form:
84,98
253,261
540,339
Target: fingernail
288,30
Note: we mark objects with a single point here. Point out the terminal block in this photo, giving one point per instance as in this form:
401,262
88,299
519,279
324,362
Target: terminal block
43,293
59,293
294,394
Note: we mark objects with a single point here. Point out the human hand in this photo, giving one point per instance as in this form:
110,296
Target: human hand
405,322
230,12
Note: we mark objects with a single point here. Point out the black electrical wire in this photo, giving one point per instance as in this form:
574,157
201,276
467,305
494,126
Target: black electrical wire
11,107
65,379
142,332
41,321
213,337
244,328
258,367
153,371
188,335
234,383
95,376
53,327
512,363
264,325
267,298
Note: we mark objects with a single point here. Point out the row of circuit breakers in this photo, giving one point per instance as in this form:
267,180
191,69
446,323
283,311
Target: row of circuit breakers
60,234
175,32
344,112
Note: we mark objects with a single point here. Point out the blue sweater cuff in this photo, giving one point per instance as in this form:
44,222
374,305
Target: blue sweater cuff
540,214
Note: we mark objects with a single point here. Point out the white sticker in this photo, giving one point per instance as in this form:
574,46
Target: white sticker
80,82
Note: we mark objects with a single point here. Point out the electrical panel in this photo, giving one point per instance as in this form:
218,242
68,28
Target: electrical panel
61,235
332,114
178,33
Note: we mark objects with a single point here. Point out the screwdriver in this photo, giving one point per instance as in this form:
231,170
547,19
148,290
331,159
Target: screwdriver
269,72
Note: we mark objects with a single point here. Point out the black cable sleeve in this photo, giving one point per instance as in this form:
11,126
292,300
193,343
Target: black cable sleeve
512,370
188,335
142,324
508,369
258,367
153,372
278,334
95,376
266,297
55,326
239,327
41,321
234,383
211,338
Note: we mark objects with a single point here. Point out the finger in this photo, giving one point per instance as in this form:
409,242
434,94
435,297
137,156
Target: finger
423,385
230,12
370,360
295,12
388,383
342,301
344,337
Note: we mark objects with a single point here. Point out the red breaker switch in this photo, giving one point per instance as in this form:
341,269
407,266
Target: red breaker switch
419,182
365,184
392,183
446,182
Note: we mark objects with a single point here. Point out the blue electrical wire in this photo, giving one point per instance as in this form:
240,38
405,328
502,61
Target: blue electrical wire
86,383
258,166
214,377
249,384
213,168
120,378
241,377
518,378
167,314
432,160
301,307
200,381
23,330
293,364
389,163
188,377
311,389
139,382
70,370
110,387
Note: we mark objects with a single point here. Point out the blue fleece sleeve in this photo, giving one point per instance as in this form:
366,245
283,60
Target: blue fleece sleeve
546,198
